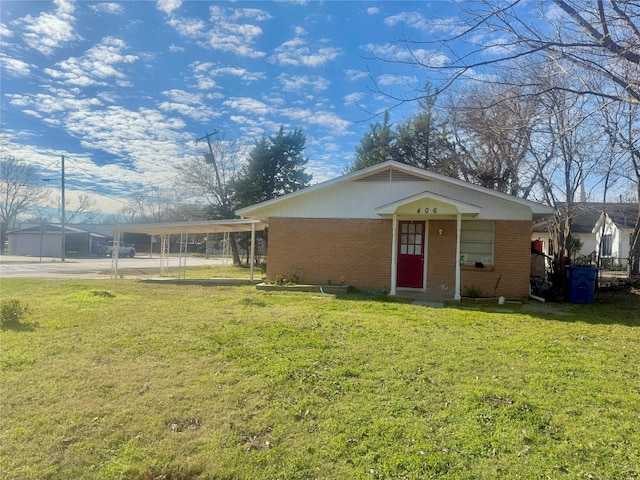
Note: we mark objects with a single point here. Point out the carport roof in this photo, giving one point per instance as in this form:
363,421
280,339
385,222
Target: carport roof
209,226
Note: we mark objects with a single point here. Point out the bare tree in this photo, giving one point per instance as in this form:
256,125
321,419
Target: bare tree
20,192
621,123
577,149
587,39
152,207
492,128
83,211
212,178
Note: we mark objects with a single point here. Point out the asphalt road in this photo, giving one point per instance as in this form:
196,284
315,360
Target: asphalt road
12,266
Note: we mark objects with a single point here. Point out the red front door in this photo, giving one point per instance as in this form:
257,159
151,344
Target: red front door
410,254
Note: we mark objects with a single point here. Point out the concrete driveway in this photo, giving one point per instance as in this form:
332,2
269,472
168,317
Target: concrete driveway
13,266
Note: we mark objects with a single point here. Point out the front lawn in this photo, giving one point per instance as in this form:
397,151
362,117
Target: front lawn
118,379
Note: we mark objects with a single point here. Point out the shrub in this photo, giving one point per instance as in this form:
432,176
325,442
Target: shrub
12,311
473,292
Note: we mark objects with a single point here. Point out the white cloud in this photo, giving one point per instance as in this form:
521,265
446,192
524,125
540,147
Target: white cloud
168,6
389,80
107,7
447,27
241,73
147,138
252,13
247,105
303,82
49,31
353,75
373,10
175,49
204,82
229,29
227,34
4,31
141,135
199,112
56,102
399,53
236,39
188,104
206,72
183,96
353,98
297,53
96,66
327,120
412,19
14,67
188,27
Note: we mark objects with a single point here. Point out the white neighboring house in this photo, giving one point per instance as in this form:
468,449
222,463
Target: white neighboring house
619,221
612,236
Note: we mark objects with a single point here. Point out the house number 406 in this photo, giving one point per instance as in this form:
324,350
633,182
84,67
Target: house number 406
427,211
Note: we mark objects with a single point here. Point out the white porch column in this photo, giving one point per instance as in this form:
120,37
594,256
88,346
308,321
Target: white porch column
456,295
252,256
394,256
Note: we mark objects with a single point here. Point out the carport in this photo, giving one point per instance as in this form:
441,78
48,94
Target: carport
165,230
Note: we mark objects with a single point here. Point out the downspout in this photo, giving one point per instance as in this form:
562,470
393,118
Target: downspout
394,256
456,295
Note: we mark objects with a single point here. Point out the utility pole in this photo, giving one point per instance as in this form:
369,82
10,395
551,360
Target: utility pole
213,158
224,200
62,218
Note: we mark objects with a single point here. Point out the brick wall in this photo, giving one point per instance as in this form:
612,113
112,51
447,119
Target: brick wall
441,257
319,250
509,276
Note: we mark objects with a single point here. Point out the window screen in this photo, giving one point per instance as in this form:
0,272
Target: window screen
476,242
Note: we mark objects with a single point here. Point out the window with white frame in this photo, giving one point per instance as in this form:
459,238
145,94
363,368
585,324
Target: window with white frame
476,242
606,245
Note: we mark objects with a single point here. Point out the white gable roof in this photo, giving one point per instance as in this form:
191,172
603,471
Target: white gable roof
375,191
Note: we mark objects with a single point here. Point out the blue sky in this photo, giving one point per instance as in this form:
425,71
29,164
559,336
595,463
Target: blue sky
123,89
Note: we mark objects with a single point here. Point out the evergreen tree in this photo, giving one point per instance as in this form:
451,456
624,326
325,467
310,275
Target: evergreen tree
422,141
275,167
376,145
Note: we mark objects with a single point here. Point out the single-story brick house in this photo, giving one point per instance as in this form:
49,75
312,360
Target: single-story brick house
392,226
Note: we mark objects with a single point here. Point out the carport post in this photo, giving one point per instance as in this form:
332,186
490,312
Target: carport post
115,253
252,256
456,295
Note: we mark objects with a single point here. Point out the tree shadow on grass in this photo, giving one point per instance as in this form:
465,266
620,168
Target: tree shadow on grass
19,326
608,308
620,308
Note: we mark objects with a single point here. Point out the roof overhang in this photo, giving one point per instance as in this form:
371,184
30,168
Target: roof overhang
428,204
209,226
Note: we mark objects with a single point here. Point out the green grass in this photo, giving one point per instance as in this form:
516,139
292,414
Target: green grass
195,272
118,379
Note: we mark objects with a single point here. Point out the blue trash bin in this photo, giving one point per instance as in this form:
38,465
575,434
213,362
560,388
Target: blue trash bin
581,283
